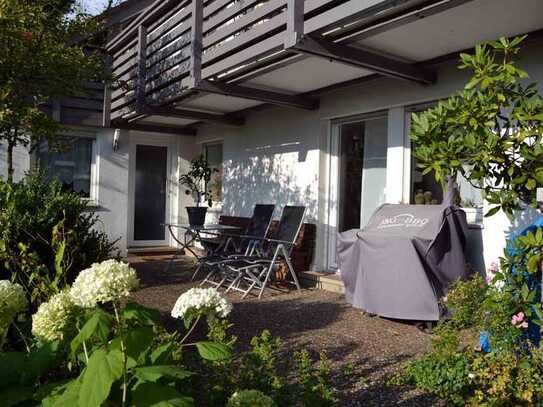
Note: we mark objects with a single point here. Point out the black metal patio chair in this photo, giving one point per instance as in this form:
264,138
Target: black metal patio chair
255,271
245,244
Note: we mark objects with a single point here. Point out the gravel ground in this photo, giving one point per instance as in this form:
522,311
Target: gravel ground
364,351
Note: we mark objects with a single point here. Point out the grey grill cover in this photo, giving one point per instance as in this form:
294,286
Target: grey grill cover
402,262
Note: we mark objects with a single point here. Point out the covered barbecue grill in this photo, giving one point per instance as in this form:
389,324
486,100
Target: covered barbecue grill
403,261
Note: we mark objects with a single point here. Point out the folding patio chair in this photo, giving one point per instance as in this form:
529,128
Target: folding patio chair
245,244
255,271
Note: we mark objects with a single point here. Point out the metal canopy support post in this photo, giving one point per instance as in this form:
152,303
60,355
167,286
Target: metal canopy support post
363,59
106,108
295,22
141,58
196,31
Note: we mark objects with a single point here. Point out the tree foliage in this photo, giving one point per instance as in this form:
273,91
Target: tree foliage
44,56
47,236
490,132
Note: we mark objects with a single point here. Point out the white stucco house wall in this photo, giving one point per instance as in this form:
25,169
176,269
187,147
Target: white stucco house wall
286,156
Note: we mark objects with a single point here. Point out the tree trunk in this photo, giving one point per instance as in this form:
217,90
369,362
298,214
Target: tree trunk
9,157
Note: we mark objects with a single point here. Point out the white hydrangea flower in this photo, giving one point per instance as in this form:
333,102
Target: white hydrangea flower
54,318
205,300
103,282
12,302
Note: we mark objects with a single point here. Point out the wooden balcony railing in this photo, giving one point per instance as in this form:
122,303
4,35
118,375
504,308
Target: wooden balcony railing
178,46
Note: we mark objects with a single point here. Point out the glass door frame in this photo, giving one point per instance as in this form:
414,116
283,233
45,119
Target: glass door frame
334,180
171,186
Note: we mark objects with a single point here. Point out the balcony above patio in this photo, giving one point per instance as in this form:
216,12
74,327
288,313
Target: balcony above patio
184,62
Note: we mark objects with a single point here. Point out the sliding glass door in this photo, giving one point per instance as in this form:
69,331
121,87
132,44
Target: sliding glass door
358,165
362,170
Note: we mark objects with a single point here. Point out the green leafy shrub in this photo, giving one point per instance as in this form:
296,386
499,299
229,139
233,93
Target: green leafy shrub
47,236
521,274
259,369
250,398
463,377
464,301
512,373
314,381
507,378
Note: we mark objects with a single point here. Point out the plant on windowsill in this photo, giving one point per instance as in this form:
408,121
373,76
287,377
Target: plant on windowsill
196,181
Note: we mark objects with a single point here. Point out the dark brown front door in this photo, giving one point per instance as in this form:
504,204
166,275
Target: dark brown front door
150,193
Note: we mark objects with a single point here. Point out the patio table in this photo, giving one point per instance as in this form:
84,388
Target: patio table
194,233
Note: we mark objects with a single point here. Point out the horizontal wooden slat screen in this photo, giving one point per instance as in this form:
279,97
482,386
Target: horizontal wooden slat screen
236,35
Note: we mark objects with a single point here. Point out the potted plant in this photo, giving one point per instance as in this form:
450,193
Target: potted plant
196,181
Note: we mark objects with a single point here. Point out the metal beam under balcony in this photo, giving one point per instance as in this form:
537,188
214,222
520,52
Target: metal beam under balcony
154,128
364,59
264,96
193,114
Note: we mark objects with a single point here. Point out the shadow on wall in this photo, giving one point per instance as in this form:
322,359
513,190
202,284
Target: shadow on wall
270,178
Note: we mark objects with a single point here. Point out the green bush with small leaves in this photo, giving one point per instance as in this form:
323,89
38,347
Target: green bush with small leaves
47,235
250,398
464,300
511,374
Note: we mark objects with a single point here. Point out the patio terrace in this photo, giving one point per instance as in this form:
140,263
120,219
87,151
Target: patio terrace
363,351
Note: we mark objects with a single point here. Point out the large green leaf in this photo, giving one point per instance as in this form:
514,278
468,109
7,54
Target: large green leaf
48,392
163,354
213,351
153,373
69,397
137,342
59,257
157,395
137,312
98,324
103,369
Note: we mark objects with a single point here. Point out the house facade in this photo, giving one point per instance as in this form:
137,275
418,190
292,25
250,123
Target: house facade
294,103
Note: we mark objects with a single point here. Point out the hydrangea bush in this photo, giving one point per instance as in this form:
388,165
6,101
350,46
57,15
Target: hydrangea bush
198,302
104,282
55,318
12,303
105,354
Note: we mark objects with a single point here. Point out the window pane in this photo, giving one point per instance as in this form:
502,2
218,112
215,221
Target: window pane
213,154
70,163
